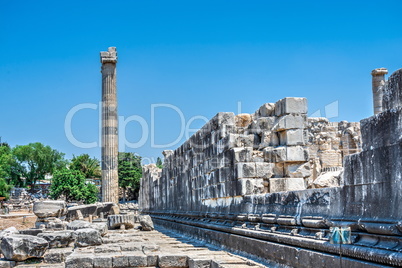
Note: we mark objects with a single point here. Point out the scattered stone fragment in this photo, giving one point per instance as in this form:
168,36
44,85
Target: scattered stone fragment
116,221
328,179
45,209
87,237
146,223
58,239
80,212
19,247
101,227
78,224
9,231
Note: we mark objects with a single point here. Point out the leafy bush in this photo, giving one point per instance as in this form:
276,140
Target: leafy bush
72,185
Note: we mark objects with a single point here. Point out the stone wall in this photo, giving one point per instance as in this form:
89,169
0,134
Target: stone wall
278,148
247,176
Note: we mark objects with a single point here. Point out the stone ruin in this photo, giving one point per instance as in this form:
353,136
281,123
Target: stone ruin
276,149
275,184
80,236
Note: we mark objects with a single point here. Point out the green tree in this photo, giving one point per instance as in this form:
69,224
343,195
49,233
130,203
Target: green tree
4,188
35,160
130,171
159,163
10,169
5,161
90,167
72,185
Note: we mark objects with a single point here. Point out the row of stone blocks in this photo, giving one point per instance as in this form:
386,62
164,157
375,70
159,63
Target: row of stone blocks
127,260
132,259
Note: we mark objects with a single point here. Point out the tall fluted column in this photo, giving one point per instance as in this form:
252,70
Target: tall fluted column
378,82
110,191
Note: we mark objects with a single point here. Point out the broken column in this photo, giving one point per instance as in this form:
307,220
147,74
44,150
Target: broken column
378,82
109,127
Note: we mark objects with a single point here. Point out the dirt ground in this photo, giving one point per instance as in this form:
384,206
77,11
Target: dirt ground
19,222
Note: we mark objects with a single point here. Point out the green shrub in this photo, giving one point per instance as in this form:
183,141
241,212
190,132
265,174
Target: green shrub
72,185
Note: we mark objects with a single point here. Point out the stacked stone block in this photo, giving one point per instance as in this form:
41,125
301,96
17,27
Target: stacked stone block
290,155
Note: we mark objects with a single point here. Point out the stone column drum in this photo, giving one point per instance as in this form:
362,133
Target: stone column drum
378,82
109,126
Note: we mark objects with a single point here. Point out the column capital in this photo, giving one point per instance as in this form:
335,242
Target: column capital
109,56
379,71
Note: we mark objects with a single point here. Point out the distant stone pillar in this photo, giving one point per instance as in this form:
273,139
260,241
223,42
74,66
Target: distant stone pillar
109,127
378,82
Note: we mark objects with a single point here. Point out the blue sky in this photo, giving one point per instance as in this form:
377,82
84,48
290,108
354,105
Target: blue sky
202,57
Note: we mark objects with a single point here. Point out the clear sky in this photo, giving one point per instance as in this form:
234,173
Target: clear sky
198,57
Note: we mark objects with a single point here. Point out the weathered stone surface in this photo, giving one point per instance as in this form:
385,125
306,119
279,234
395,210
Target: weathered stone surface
287,122
101,227
52,223
146,223
286,154
297,170
78,224
58,239
75,213
152,260
57,255
246,170
168,261
382,129
6,264
120,261
45,209
87,237
267,109
199,263
291,106
9,231
243,154
264,170
107,208
328,179
80,261
286,184
250,186
137,260
32,231
19,247
262,124
103,261
291,137
243,120
117,221
392,97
